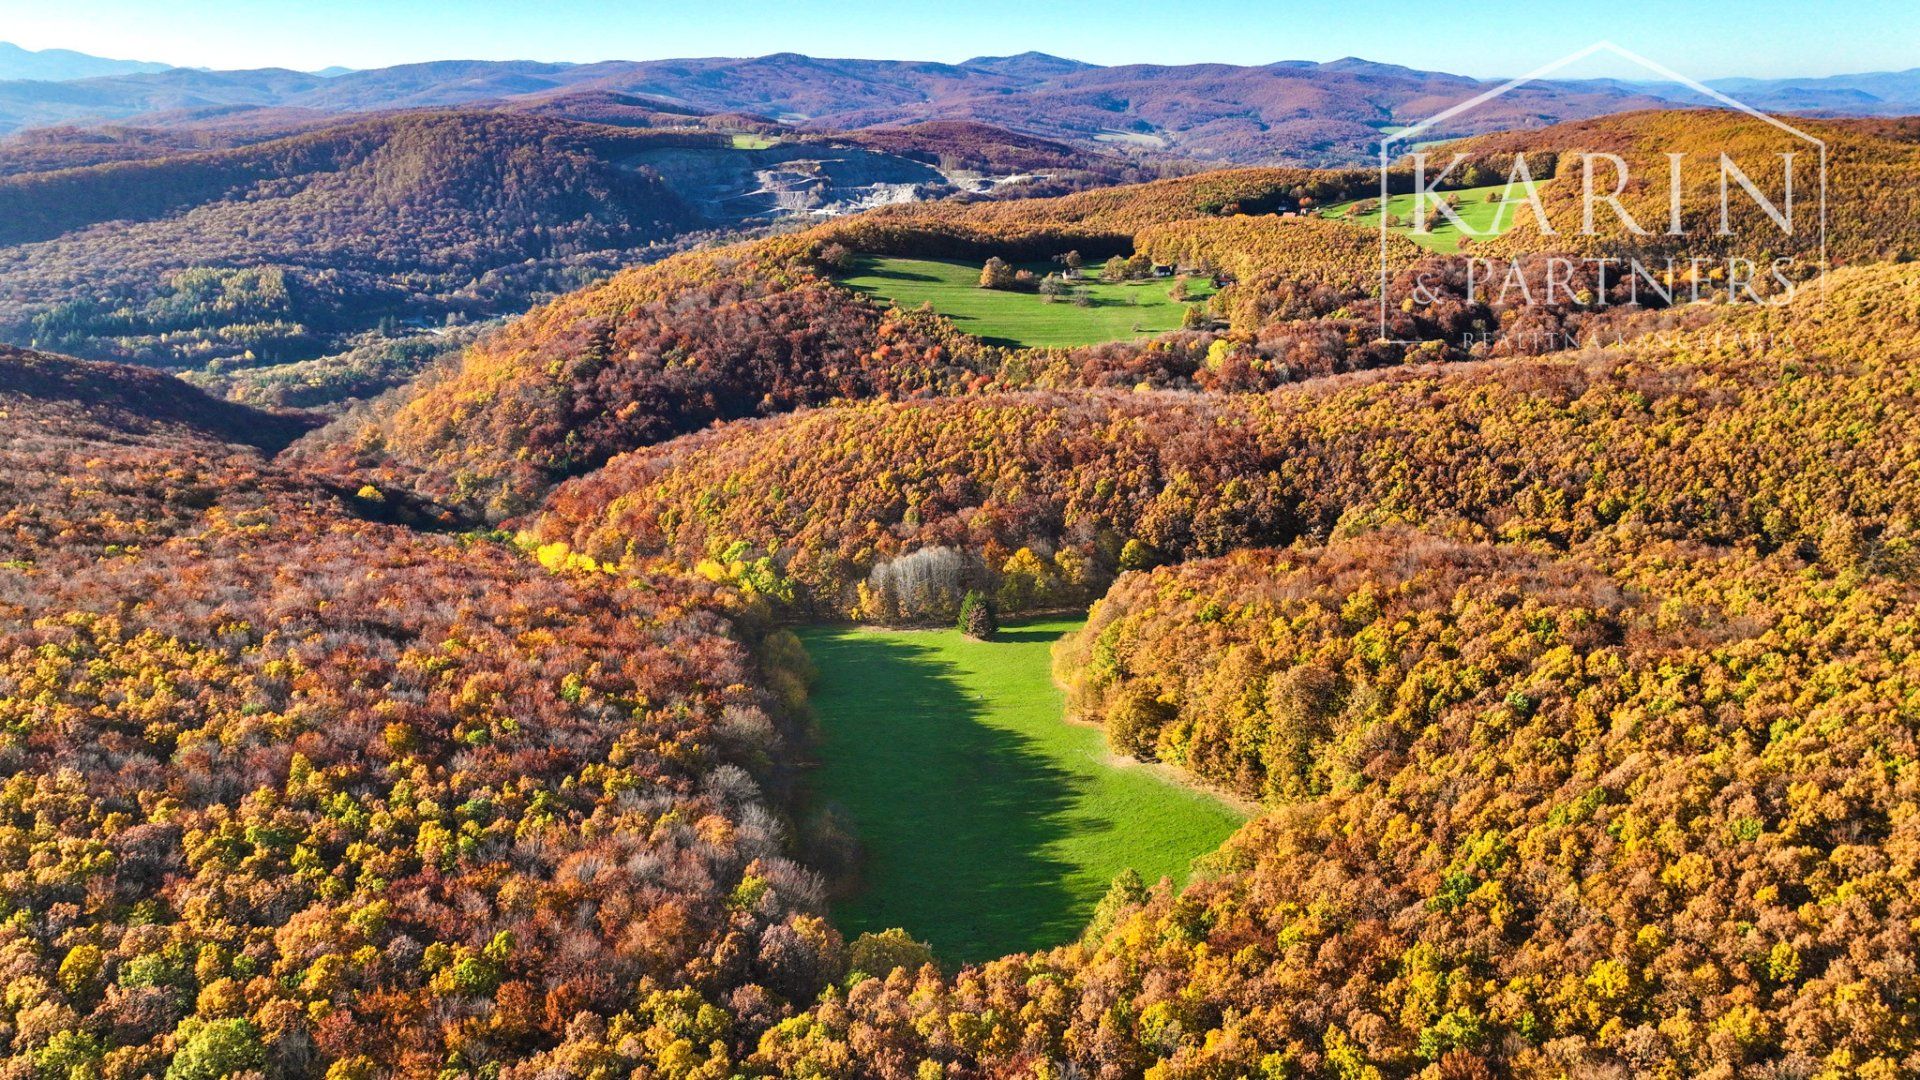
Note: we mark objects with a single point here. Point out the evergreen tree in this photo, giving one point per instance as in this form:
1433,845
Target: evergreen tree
976,617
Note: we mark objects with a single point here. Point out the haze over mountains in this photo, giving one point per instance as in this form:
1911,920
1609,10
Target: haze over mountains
1293,111
61,64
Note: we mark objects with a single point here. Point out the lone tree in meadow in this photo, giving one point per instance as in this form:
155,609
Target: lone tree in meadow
836,257
996,274
976,617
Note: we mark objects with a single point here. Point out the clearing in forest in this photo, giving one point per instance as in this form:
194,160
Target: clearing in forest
990,824
1114,312
1489,211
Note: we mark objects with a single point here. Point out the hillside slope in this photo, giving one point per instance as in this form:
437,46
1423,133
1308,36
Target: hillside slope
281,248
1872,204
1292,111
1096,484
273,247
660,350
1658,625
105,457
1581,690
530,407
231,703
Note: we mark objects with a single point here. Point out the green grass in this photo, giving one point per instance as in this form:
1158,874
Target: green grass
1024,319
1488,219
990,824
750,141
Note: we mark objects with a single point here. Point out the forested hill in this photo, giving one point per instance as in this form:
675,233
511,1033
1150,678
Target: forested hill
272,247
1569,762
763,327
52,149
971,144
185,628
1299,112
1296,112
134,401
104,458
1579,686
396,165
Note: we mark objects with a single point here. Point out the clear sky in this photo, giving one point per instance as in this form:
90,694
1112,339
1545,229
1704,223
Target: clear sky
1485,38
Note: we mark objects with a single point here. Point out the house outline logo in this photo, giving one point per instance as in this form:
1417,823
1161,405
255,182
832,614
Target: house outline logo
1405,137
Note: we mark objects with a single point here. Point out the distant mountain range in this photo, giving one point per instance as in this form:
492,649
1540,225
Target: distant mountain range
1875,93
1293,111
54,65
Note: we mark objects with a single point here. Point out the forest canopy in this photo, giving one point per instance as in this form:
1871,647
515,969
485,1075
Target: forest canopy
1575,684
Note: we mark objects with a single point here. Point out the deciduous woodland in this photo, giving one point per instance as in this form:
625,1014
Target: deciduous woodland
1570,654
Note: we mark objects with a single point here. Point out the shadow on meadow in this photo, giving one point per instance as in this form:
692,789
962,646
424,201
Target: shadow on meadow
954,815
1018,636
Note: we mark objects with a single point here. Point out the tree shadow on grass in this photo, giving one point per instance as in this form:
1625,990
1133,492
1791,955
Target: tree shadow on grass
954,815
894,273
1026,635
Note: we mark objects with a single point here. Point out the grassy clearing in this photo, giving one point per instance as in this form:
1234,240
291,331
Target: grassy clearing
1118,312
1132,138
750,141
1486,219
990,824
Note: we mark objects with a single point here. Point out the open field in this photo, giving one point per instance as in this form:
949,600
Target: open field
1118,312
746,140
1489,219
990,824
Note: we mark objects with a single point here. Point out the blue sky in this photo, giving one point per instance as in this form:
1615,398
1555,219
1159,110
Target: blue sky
1485,38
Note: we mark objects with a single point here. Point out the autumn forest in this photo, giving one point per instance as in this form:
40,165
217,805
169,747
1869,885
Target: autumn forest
458,584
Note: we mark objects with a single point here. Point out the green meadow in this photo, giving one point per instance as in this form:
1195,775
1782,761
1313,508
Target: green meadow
1117,312
990,825
1486,218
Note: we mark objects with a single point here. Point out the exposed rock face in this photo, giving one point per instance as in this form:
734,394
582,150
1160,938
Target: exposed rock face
729,186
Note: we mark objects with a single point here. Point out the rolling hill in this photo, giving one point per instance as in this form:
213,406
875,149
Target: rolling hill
57,65
103,458
1578,687
274,247
282,249
746,330
1288,112
1559,599
1872,203
256,623
52,149
559,392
